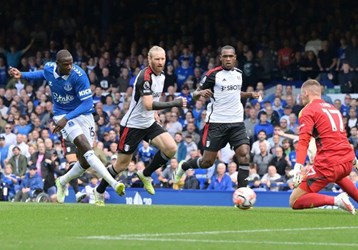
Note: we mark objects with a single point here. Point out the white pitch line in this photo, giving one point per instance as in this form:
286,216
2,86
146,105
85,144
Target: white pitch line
235,231
336,244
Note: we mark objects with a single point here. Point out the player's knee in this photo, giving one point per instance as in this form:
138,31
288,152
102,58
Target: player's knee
292,202
170,150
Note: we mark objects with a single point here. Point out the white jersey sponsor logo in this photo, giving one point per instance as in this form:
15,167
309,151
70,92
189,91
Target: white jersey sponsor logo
225,105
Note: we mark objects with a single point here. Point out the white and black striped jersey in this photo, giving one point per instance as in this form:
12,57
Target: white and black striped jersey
225,105
146,83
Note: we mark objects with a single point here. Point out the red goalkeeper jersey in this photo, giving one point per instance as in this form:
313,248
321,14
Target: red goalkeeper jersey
324,122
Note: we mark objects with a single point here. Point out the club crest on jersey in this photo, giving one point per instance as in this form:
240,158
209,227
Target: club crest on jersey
68,86
126,147
207,143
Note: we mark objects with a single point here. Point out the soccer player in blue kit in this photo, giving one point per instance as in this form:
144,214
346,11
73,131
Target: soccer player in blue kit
72,110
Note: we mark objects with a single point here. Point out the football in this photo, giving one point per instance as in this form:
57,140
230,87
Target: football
244,198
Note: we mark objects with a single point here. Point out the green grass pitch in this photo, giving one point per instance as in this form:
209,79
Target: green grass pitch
83,226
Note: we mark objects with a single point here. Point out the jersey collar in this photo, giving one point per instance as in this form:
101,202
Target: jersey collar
65,77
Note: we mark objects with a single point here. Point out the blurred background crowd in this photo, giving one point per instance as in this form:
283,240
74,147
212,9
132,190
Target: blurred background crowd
279,44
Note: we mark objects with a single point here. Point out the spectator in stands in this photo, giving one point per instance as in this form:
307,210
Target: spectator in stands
123,80
183,73
254,180
185,93
273,116
341,53
353,139
346,78
191,182
352,53
197,111
285,55
21,144
309,66
353,120
277,106
261,137
145,153
286,146
13,56
191,130
220,181
10,181
31,183
250,123
4,150
170,77
128,174
262,159
173,126
284,126
315,44
346,105
182,150
272,179
190,145
263,125
166,178
326,60
279,161
10,137
232,172
325,97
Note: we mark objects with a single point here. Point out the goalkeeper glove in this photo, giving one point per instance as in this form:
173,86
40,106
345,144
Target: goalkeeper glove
297,174
355,164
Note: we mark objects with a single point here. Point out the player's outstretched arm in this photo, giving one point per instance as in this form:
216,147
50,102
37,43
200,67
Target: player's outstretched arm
149,104
36,75
250,95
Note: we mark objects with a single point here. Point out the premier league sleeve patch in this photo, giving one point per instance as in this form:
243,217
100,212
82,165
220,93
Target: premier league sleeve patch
146,88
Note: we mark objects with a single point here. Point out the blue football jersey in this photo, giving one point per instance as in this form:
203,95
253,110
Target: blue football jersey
67,91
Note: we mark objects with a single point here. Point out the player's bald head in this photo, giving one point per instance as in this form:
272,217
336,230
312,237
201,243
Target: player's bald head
63,55
312,87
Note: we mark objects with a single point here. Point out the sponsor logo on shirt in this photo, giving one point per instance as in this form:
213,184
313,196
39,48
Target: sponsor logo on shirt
84,92
126,147
230,87
63,99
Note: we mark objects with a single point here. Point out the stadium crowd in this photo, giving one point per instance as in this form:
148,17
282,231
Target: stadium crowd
111,44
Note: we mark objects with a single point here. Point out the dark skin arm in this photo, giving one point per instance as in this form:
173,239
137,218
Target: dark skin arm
250,95
202,92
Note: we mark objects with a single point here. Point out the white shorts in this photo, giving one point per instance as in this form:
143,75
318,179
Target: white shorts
83,124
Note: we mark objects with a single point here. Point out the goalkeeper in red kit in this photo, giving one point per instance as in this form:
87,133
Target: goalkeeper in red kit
334,158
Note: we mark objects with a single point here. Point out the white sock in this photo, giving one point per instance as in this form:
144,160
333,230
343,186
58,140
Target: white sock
98,166
74,172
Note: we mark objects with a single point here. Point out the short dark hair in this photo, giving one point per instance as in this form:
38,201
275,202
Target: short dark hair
62,54
227,47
